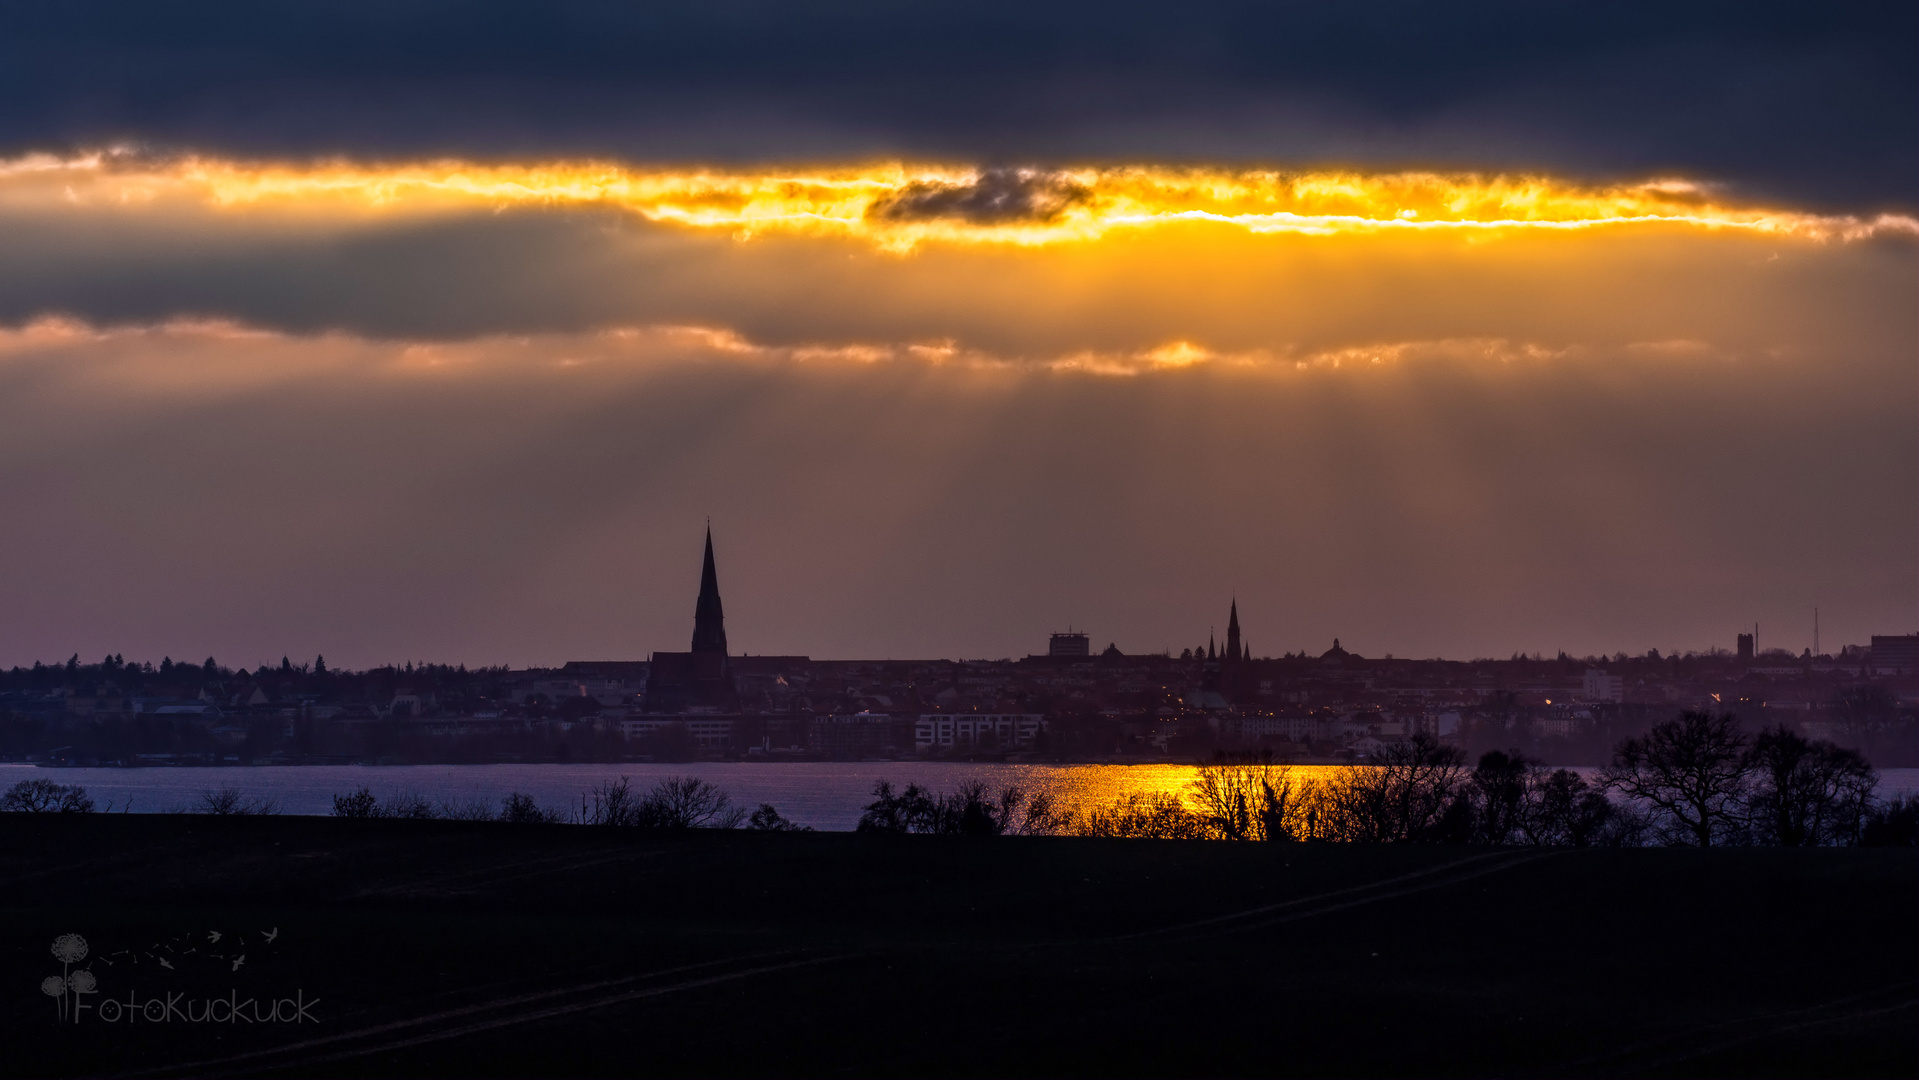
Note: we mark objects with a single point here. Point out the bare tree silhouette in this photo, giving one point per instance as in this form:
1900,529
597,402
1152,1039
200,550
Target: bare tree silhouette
1807,793
686,802
1563,810
1500,785
1403,796
1246,795
1692,770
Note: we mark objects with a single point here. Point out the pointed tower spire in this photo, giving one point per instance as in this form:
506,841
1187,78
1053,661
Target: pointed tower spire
1232,634
709,621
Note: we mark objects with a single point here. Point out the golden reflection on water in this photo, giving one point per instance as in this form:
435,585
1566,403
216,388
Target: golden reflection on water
1087,787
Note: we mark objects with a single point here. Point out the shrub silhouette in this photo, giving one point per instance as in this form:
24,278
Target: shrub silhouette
469,810
677,802
45,797
768,819
524,810
228,802
970,811
1894,823
686,802
1158,816
357,804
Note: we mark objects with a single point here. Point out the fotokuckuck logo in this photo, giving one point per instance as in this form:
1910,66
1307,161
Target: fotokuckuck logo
78,995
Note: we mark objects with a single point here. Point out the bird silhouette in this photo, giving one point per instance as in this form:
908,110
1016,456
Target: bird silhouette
213,936
241,960
164,964
270,934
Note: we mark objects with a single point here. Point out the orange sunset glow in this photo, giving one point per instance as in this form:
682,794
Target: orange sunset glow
1436,374
898,205
1239,537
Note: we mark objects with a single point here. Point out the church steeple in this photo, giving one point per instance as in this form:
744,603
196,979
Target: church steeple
709,622
1232,634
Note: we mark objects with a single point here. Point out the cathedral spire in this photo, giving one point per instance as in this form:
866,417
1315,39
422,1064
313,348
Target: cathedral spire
709,622
1233,653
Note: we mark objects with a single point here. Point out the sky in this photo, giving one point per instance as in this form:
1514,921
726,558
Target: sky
435,332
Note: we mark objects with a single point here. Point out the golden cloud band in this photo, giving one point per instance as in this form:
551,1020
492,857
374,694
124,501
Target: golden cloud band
190,353
899,206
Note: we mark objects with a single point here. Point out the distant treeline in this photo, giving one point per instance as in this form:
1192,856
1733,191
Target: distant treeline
287,676
453,684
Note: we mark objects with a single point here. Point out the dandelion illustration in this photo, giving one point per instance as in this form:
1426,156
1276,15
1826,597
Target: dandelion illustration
81,982
69,949
56,987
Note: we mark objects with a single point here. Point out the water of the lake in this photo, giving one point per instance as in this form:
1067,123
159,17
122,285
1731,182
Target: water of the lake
821,794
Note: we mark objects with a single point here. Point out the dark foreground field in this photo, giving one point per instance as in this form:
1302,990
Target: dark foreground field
439,948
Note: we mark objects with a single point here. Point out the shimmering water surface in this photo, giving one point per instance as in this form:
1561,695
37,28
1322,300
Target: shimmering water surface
825,795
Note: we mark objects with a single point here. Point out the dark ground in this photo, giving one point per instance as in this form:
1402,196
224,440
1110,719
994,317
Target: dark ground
439,948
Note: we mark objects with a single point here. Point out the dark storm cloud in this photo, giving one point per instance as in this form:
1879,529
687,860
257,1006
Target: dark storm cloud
1810,102
996,196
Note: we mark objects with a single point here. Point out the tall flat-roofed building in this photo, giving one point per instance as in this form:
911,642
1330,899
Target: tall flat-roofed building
1895,654
1070,643
1600,686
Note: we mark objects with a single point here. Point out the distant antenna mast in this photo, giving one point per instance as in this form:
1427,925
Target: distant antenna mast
1815,631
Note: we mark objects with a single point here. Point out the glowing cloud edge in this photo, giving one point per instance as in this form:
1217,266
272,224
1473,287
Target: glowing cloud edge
145,355
897,206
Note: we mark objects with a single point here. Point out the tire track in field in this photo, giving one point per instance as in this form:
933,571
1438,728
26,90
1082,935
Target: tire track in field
1645,1056
548,1013
473,1019
467,880
1305,907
